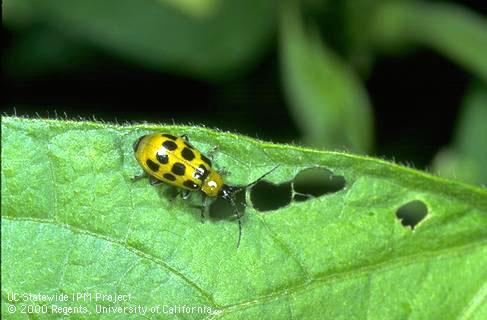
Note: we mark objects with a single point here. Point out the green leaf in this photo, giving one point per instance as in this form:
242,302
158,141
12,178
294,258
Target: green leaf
329,103
17,14
452,30
74,222
225,37
197,8
467,157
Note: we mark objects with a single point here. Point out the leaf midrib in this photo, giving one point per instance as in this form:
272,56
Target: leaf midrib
358,272
138,252
422,179
317,281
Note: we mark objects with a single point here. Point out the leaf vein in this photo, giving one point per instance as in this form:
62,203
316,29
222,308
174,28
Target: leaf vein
207,296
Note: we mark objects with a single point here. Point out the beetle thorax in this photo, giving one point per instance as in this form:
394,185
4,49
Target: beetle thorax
212,184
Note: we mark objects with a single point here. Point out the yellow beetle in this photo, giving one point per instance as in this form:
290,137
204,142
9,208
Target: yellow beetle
168,159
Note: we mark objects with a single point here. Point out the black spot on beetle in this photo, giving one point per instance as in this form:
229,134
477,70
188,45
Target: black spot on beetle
187,154
170,145
162,158
205,159
169,176
178,168
206,172
201,173
152,165
170,136
190,184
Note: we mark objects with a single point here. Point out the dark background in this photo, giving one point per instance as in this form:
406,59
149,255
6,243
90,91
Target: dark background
415,98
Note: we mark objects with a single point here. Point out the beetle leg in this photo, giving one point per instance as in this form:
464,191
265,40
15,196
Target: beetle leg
185,137
153,181
223,172
211,153
236,211
203,208
185,194
239,217
139,176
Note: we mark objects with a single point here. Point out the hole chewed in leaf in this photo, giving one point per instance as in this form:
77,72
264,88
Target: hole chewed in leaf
267,196
221,209
315,182
309,183
411,213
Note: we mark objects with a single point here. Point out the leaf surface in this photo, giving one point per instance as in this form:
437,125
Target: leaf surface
73,221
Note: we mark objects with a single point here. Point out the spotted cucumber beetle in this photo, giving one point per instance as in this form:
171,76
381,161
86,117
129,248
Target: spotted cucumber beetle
168,159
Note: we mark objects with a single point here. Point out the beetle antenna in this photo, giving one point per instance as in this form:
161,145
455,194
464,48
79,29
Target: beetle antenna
239,217
229,192
261,177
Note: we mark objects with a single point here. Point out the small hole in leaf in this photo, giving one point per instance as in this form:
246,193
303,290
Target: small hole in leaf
267,196
221,209
412,213
316,182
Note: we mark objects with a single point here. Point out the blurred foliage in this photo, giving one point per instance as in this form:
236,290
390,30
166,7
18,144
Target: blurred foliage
156,35
453,31
467,156
195,7
327,50
327,99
